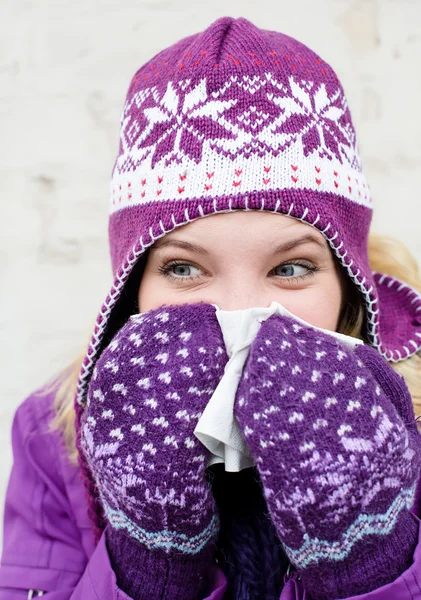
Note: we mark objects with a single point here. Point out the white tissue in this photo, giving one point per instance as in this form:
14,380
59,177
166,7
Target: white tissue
217,428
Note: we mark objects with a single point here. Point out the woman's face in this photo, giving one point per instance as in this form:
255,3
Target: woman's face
245,259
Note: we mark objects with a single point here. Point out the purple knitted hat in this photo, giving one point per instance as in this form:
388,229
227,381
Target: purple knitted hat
240,118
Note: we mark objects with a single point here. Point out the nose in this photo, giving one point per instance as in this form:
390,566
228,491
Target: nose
240,305
233,299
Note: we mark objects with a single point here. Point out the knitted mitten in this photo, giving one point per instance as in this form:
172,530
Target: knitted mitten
148,390
335,441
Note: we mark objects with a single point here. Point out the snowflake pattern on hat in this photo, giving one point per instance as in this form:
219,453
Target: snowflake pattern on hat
240,130
167,124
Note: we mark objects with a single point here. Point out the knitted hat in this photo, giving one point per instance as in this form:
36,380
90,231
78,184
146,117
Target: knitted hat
240,118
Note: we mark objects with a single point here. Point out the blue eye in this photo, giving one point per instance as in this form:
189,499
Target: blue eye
185,268
293,270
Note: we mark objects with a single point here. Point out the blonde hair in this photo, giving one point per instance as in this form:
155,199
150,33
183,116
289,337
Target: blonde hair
386,254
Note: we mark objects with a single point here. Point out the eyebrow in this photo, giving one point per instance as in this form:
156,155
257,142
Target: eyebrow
284,247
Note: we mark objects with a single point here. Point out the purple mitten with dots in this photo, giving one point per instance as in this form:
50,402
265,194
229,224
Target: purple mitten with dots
148,390
334,438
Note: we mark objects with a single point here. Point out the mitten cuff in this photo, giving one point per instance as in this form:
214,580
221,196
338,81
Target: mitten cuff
144,574
368,566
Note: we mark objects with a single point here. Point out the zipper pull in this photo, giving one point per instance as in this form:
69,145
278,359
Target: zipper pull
291,574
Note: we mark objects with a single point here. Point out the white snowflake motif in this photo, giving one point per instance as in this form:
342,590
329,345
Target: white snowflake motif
321,121
161,128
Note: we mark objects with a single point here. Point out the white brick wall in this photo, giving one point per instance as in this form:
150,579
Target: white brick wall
64,70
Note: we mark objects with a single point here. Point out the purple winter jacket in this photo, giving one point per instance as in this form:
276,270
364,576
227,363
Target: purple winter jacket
48,542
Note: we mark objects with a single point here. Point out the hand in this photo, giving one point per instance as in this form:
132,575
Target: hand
334,438
148,390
